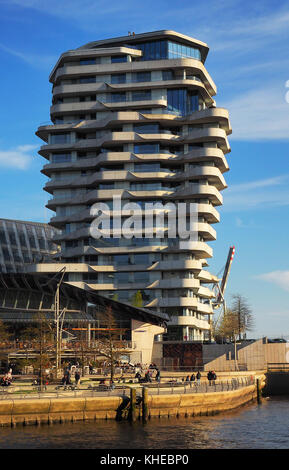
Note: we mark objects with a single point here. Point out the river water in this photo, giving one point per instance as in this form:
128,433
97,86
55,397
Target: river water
251,427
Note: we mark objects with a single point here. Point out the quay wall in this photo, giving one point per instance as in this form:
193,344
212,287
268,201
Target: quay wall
58,410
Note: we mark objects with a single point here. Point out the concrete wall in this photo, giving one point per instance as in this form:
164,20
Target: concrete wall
250,355
142,334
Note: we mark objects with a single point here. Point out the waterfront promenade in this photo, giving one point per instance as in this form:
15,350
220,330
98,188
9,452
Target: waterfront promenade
127,401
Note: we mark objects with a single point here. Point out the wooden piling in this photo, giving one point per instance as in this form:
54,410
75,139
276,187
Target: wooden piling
259,391
132,405
144,404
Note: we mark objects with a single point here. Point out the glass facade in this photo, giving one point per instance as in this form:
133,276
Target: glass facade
141,77
181,101
179,51
23,243
164,49
146,148
146,128
118,78
61,157
118,58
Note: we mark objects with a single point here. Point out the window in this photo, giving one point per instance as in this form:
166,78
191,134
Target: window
87,61
177,101
118,78
146,128
177,51
106,186
141,277
122,278
146,186
146,167
141,95
87,80
153,50
146,148
61,157
90,277
141,259
117,97
122,260
141,77
118,58
167,75
60,138
181,102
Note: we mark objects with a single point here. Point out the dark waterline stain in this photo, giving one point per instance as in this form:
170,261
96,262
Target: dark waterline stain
251,427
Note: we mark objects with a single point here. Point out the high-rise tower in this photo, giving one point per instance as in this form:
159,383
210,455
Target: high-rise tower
134,116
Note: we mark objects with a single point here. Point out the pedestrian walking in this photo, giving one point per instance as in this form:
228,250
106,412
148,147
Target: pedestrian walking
158,376
198,376
192,378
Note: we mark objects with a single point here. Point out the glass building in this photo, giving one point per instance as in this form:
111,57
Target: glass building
135,116
23,243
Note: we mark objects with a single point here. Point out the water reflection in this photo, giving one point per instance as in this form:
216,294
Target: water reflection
253,426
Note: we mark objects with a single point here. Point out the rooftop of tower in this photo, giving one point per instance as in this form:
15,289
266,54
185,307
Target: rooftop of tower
154,35
134,39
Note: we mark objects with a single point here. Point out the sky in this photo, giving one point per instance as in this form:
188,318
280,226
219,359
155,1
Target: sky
249,62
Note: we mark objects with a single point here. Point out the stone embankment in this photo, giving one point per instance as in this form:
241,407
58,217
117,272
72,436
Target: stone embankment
56,410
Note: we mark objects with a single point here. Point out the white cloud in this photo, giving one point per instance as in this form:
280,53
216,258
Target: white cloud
19,158
36,60
280,278
260,114
269,192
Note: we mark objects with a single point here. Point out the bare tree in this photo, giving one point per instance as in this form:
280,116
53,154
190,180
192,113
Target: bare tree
40,338
240,307
110,344
228,327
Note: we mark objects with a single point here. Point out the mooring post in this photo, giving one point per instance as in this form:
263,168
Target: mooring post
259,391
132,406
144,404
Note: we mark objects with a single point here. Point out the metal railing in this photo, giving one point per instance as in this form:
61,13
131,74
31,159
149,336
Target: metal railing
278,366
203,386
163,388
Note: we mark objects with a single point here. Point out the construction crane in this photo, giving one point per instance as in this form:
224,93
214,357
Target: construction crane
220,288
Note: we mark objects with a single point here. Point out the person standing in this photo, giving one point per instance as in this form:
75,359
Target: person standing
198,376
210,377
158,376
77,378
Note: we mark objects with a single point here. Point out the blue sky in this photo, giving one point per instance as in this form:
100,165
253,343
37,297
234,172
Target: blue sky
249,62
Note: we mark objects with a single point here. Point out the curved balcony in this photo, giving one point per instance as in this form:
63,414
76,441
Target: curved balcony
204,116
206,293
189,321
85,88
92,53
207,277
208,232
193,67
100,105
214,177
196,190
166,302
209,211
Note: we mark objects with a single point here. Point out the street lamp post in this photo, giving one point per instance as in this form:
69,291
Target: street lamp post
57,316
